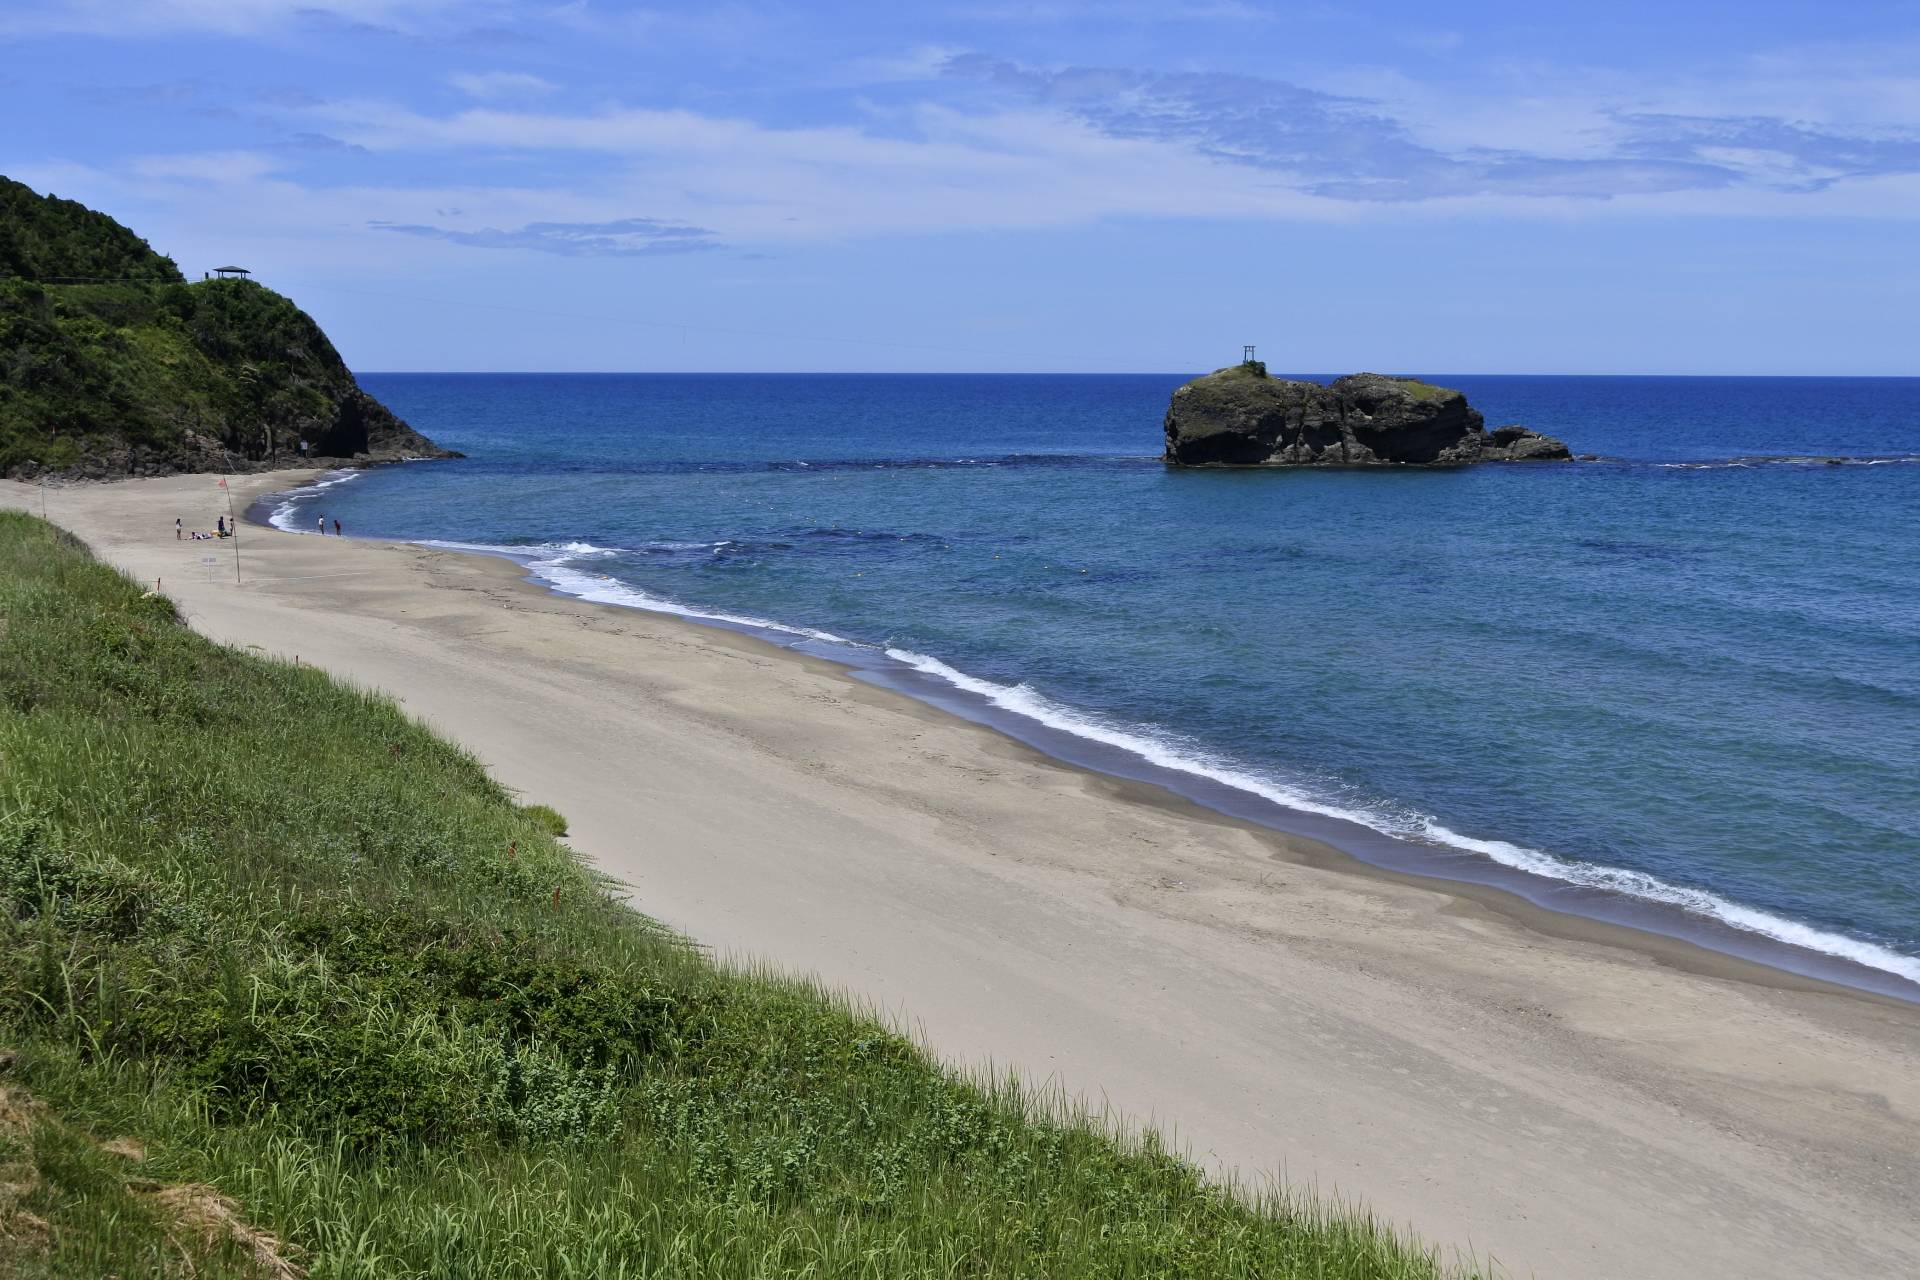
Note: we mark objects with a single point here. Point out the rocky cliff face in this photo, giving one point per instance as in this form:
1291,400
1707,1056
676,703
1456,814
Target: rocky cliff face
1239,416
353,430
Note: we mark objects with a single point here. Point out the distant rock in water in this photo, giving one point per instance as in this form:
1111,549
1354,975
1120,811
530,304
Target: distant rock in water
1239,416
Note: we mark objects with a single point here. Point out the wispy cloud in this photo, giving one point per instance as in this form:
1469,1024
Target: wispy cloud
1784,154
620,238
1354,148
323,142
224,17
1145,12
212,167
500,84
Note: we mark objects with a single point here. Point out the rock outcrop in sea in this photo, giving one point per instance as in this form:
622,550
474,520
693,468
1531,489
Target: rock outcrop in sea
1240,416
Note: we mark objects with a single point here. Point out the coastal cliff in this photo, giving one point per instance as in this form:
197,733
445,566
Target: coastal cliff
1240,416
112,364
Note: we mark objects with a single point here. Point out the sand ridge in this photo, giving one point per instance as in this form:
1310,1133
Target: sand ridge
1574,1100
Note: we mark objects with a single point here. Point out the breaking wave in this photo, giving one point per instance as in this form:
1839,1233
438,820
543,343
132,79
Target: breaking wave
1176,754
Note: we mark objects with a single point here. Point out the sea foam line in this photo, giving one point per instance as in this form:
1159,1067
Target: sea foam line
1019,700
281,517
1786,460
548,561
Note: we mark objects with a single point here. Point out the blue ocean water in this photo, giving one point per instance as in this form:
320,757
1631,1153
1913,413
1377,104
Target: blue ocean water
1690,672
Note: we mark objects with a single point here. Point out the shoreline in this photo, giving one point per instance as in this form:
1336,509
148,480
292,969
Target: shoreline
1569,1096
1348,842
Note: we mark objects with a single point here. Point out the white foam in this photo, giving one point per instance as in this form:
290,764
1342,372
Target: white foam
551,562
1170,752
606,589
281,517
1786,460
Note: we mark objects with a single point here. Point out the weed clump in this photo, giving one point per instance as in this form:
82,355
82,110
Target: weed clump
550,819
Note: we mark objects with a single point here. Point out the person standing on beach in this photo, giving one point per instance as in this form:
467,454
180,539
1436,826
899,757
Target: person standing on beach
336,526
178,531
220,525
323,526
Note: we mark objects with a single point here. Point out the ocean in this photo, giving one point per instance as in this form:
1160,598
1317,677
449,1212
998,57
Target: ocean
1678,687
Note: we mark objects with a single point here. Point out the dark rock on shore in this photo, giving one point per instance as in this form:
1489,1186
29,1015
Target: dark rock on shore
361,433
1239,416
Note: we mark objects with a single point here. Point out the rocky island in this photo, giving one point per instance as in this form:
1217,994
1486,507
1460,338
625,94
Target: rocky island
113,364
1241,416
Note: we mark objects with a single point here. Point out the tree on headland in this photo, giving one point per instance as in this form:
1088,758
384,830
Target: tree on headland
55,241
112,364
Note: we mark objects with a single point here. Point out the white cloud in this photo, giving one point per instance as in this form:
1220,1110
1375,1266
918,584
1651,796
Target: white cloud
940,169
961,171
1145,12
617,238
222,167
221,17
1033,150
1360,148
500,84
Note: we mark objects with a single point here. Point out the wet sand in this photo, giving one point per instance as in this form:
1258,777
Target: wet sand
1569,1097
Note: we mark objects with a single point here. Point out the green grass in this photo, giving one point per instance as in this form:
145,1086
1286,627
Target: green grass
1255,370
1424,391
548,817
309,956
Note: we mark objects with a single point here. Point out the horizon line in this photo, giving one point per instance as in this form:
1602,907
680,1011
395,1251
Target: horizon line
1069,373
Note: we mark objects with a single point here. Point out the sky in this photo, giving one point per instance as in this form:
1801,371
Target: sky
1495,187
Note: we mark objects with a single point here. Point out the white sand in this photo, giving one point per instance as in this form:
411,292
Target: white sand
1572,1099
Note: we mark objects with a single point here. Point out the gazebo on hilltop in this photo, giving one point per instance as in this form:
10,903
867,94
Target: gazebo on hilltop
231,273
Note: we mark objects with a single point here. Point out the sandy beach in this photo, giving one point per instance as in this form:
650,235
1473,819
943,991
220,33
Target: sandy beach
1569,1098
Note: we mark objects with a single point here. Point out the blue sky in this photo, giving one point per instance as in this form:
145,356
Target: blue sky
1494,187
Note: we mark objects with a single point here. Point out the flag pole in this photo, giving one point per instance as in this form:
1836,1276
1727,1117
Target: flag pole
233,525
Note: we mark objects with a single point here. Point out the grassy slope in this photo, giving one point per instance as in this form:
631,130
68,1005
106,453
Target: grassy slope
304,952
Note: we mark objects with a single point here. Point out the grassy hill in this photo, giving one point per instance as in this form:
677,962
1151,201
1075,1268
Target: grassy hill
112,364
288,984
